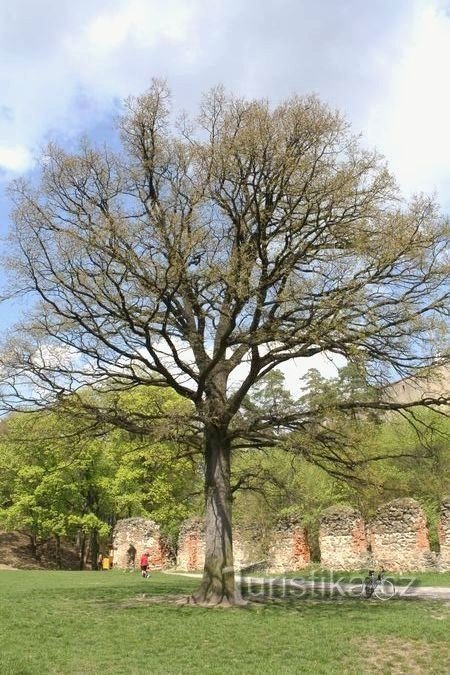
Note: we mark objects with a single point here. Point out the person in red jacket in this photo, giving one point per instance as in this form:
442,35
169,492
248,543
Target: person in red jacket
144,564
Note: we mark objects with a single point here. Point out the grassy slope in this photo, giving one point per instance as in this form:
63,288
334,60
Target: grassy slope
92,622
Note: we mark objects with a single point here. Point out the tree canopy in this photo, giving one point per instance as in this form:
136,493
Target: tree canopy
205,253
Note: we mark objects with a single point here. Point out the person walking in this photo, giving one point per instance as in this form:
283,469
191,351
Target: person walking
144,565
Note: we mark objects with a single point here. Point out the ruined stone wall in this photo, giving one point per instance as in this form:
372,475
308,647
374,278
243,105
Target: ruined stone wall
396,539
191,545
141,535
444,536
289,550
248,547
399,537
342,539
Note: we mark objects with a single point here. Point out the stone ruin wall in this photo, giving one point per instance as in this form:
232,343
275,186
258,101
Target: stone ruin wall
342,539
396,539
444,536
191,546
289,550
248,547
143,535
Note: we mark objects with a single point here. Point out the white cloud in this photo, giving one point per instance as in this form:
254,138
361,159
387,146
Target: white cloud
145,22
294,370
121,48
15,158
411,125
384,64
108,30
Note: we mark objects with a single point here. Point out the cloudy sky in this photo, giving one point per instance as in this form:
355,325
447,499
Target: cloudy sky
64,67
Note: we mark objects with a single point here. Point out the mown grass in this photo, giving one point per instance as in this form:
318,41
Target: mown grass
315,573
92,622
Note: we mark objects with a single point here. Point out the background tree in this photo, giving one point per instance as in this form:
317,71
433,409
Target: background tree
61,478
363,459
50,485
238,240
158,473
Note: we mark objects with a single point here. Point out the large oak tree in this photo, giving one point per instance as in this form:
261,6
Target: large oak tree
206,252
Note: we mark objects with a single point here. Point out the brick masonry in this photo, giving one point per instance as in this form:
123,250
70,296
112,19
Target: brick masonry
191,546
289,548
248,547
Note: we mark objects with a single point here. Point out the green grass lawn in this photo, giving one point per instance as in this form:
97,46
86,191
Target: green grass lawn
114,622
416,578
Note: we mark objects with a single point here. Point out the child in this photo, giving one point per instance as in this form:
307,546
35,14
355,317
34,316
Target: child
144,565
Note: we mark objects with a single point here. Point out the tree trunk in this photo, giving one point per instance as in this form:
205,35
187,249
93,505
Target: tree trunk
218,583
81,537
94,549
58,555
33,542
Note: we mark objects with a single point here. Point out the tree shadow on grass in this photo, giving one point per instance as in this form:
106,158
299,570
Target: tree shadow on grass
121,590
314,604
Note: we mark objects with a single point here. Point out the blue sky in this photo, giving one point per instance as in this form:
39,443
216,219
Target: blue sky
64,67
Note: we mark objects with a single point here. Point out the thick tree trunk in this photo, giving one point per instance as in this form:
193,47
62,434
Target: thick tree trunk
218,583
